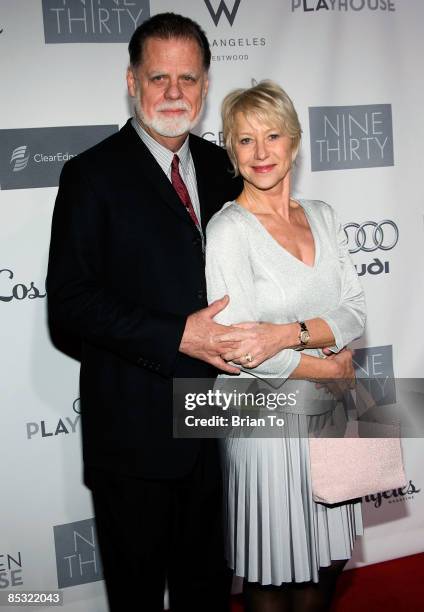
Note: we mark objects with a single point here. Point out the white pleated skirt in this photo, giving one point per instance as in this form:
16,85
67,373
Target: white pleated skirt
275,532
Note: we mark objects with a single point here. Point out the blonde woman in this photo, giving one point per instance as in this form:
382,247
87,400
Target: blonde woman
286,262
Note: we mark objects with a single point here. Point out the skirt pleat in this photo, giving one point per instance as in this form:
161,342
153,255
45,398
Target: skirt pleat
275,532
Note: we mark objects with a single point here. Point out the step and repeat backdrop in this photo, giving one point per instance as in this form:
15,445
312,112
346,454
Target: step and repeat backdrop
353,69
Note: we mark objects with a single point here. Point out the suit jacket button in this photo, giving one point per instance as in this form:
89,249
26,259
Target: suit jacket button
200,294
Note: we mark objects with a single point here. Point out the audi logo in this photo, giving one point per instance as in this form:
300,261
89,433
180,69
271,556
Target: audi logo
370,236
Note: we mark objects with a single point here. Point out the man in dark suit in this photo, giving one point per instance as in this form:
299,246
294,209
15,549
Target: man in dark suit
126,276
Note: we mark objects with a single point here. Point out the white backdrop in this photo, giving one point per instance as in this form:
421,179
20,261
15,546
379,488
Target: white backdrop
359,54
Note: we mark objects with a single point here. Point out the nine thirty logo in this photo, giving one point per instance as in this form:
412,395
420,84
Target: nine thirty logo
351,136
223,8
110,21
20,156
374,366
45,151
77,553
370,236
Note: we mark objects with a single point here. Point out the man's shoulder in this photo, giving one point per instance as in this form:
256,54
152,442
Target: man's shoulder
106,152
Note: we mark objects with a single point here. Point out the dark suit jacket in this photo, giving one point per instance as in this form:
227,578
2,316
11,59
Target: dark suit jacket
125,269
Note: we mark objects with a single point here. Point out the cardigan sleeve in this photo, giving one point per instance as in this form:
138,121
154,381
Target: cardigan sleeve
347,319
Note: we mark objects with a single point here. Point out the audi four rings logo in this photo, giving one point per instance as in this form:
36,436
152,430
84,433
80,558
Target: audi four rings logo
370,236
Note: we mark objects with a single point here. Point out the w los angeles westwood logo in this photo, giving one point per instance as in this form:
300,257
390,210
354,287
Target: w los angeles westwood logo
222,8
20,156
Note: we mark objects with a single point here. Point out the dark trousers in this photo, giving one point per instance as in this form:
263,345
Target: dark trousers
156,531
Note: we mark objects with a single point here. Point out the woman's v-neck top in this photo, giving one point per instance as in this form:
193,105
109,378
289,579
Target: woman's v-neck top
265,282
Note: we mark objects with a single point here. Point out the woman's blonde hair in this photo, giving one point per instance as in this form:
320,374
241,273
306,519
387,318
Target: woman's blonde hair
267,101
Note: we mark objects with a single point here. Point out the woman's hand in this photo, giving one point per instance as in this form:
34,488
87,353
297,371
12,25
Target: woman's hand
263,341
342,372
341,365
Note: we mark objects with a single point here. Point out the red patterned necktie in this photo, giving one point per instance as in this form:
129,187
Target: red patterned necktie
181,189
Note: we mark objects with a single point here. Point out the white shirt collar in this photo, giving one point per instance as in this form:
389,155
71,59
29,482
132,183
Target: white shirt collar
163,155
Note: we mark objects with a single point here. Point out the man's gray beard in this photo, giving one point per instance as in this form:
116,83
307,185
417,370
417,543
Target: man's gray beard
170,127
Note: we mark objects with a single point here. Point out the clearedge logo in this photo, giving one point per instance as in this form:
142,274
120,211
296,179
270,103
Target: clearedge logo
19,159
222,8
39,161
99,21
345,137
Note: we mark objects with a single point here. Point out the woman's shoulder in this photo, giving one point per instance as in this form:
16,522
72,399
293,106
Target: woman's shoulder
226,219
228,232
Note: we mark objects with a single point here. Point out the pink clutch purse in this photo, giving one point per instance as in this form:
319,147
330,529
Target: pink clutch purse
350,467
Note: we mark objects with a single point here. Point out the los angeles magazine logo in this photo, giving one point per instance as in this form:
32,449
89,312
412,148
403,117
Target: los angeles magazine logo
393,496
226,46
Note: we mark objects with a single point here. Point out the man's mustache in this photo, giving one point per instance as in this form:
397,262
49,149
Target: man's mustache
170,106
